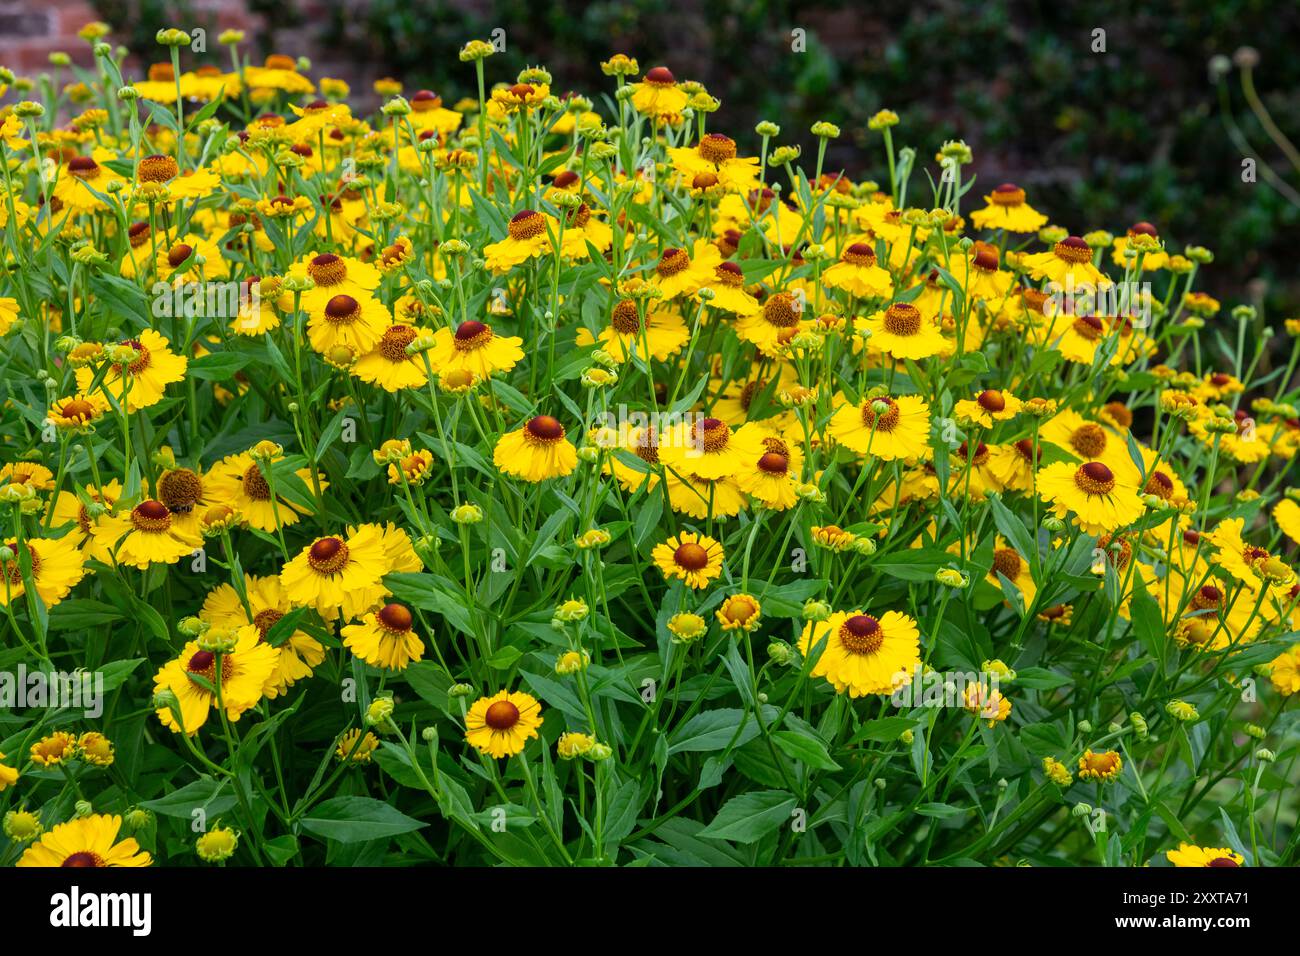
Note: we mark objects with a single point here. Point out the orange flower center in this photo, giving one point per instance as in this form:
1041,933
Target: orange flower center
902,318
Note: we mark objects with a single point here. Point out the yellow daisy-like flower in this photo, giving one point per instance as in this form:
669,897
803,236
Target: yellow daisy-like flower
679,273
329,569
1100,499
986,703
355,321
475,348
902,332
701,449
384,638
728,288
81,178
774,323
1005,208
1286,515
989,406
88,841
858,273
8,775
239,481
501,725
78,410
690,557
54,749
147,375
1103,767
537,451
1068,264
1188,855
96,749
864,654
663,333
740,612
898,428
1284,671
298,653
389,366
146,535
193,678
57,565
771,466
528,236
657,95
354,747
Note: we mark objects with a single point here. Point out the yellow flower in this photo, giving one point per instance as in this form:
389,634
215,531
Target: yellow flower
217,845
1284,671
1103,767
57,565
986,703
863,654
475,348
1057,772
390,366
1188,855
885,428
193,679
354,748
146,535
740,612
88,841
989,406
384,638
298,653
690,557
1100,500
686,627
143,379
858,273
55,749
1006,209
536,452
94,748
502,724
328,570
902,332
657,95
571,745
8,775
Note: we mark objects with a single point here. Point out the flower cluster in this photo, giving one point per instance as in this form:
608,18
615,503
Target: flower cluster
611,465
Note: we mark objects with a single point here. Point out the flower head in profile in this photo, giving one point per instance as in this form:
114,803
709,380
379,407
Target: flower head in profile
536,451
1188,855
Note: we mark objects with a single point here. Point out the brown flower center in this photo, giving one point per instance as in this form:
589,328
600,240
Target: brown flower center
471,334
626,319
327,269
1073,250
526,225
902,318
180,489
860,254
1094,478
265,620
395,617
691,556
672,262
328,556
774,463
255,484
1089,327
885,422
660,76
83,858
1008,194
1007,562
1088,440
716,148
730,275
342,310
781,310
501,715
394,342
991,400
544,428
712,433
861,634
151,517
1160,485
77,410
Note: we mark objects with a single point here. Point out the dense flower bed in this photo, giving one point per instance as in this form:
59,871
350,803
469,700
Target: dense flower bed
537,479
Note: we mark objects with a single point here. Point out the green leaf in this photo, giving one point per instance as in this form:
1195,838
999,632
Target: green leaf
808,750
751,816
357,820
884,730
